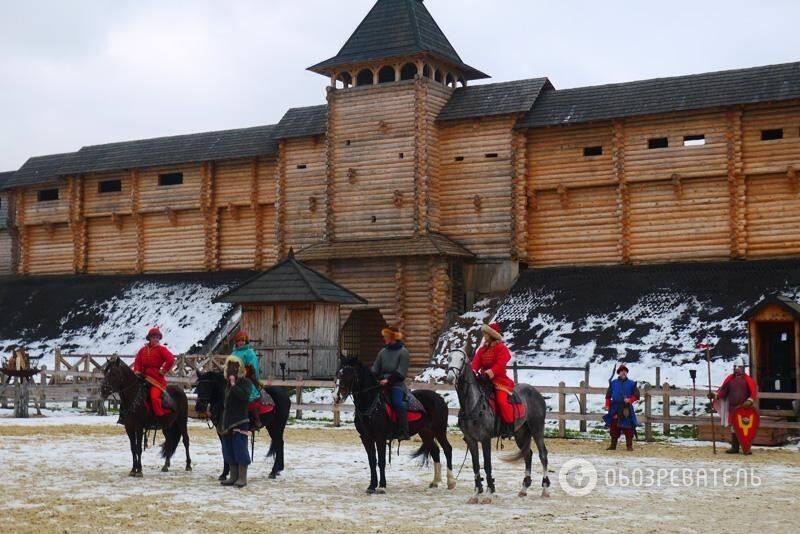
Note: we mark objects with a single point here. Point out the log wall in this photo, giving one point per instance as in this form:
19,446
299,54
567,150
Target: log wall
111,244
475,187
6,242
302,193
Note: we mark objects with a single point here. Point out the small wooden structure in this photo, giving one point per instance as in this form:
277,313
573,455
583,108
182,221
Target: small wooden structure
291,313
18,368
774,333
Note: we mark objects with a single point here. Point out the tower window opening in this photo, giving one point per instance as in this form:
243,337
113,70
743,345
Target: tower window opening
408,71
386,75
589,151
657,142
772,134
364,77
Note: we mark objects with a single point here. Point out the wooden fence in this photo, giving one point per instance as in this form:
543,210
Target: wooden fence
77,378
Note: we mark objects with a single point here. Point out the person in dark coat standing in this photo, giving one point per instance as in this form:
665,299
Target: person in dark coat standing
621,395
391,368
235,427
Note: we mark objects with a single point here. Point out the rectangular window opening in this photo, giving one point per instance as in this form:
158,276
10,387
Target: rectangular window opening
491,155
401,155
302,166
694,140
772,134
657,142
109,186
592,151
459,158
347,143
47,195
170,178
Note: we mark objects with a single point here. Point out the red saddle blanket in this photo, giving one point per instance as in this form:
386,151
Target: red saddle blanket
259,408
519,409
413,415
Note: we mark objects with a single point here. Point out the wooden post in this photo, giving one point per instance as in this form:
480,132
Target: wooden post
583,405
42,384
658,377
586,374
516,373
562,409
648,411
337,421
21,398
666,409
57,366
298,399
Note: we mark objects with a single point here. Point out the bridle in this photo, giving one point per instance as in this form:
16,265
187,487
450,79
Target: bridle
354,389
208,415
457,371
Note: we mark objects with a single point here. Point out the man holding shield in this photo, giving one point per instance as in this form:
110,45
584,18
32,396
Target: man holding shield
735,404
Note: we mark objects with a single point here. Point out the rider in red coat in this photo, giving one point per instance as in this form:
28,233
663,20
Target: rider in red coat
153,361
491,360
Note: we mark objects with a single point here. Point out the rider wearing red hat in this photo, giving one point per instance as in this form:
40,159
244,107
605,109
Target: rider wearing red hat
491,360
153,361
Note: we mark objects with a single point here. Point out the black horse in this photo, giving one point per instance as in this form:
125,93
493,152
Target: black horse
133,392
210,389
479,425
376,429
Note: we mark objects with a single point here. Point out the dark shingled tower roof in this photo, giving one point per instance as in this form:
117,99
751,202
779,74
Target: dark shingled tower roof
290,281
771,83
395,28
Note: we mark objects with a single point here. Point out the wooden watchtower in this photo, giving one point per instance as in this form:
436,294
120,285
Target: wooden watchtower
773,327
291,313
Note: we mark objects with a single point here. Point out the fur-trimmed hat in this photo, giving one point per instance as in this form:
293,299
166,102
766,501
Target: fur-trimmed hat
621,367
493,330
154,332
392,332
739,362
241,335
235,359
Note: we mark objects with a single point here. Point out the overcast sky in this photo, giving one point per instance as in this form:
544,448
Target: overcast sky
83,72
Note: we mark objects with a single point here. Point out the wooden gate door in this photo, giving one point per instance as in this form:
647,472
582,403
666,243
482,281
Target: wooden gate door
293,343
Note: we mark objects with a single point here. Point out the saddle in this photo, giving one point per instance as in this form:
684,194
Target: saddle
259,407
415,408
519,409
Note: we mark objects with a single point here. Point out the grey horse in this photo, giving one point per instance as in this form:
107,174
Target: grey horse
477,422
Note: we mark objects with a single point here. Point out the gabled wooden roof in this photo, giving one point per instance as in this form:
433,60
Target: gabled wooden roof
173,150
770,83
780,300
4,177
303,122
396,28
38,170
290,281
430,244
493,99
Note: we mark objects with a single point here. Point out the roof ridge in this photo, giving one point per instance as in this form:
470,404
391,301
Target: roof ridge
300,270
177,136
415,23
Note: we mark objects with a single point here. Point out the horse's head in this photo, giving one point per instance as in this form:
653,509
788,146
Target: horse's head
113,377
347,378
455,365
204,388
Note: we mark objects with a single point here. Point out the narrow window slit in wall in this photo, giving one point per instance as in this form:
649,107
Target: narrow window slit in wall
401,155
772,134
347,143
170,178
592,151
694,140
302,166
47,195
491,155
109,186
657,142
459,158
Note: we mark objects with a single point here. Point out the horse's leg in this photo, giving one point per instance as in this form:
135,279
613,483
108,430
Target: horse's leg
166,465
429,443
276,446
139,442
132,438
448,454
226,468
472,445
381,446
538,437
185,434
369,446
524,440
487,467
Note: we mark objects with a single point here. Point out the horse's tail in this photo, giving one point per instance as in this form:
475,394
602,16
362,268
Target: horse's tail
424,452
174,432
283,405
520,454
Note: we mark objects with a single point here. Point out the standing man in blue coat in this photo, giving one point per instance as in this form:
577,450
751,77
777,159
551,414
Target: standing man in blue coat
621,395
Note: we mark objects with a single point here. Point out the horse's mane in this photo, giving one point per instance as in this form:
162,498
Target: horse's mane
214,374
352,361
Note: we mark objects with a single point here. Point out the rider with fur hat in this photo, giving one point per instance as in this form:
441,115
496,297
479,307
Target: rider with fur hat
391,368
153,361
235,426
491,360
621,394
736,390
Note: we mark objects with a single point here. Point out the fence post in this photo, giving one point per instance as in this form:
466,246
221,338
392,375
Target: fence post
586,375
42,384
658,377
337,421
57,369
298,399
516,373
666,410
583,405
562,409
648,406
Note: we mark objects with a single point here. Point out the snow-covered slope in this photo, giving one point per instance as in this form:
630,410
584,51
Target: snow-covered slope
110,315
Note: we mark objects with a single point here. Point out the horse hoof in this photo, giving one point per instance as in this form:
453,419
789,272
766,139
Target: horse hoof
433,485
370,491
451,485
188,467
138,474
545,494
381,491
486,500
522,494
272,476
132,474
222,477
472,500
165,469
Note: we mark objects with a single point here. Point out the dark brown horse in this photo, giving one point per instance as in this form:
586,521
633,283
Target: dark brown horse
376,429
133,392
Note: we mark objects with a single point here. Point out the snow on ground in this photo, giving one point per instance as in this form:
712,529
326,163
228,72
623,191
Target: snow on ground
70,478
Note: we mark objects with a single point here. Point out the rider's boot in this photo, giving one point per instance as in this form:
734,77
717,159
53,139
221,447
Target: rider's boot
232,477
402,426
242,480
613,446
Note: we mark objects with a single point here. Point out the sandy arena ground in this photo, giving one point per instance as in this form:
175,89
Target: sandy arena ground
73,478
